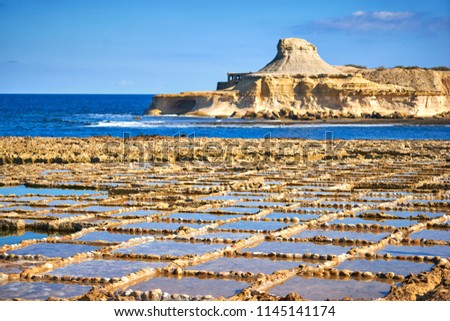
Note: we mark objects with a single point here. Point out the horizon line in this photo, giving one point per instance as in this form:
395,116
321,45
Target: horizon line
75,94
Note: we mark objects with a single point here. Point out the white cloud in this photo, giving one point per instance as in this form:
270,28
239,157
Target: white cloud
126,82
358,13
362,21
388,15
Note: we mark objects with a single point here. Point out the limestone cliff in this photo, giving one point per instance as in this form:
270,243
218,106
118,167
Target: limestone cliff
297,83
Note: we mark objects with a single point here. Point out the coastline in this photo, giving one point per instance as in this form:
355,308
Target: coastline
344,121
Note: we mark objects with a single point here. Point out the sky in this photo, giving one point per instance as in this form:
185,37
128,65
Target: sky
169,46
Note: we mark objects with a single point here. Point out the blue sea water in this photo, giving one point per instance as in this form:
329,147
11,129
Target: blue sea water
93,115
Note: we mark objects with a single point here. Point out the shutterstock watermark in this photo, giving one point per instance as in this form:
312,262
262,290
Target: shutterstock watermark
223,152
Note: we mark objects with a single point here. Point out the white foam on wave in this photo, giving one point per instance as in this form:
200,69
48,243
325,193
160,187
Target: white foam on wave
168,115
126,124
96,116
190,124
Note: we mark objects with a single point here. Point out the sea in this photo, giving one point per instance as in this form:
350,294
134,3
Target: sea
79,115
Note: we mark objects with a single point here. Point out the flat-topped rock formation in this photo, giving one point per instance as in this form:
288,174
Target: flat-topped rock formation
297,57
298,84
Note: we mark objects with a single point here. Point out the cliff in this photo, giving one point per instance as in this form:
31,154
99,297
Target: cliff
298,84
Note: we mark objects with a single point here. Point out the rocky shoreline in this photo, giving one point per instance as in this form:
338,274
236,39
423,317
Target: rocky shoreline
320,118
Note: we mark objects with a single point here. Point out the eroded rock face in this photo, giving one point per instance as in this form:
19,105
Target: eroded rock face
297,56
297,82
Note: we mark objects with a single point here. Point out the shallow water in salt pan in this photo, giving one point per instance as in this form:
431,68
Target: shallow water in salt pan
220,198
171,248
54,249
436,250
136,213
323,289
225,235
162,225
40,290
8,267
14,237
23,208
60,215
415,213
431,235
357,220
64,202
236,209
259,203
251,196
353,235
254,225
319,209
105,268
203,216
193,286
100,208
23,190
302,217
30,198
254,265
300,248
396,266
106,236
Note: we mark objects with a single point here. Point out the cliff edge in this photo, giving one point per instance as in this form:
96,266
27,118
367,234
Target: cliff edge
299,84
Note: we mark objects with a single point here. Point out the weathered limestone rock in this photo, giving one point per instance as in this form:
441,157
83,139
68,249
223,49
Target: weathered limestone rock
297,56
155,112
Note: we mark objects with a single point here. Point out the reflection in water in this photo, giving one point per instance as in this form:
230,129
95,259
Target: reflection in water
40,290
8,267
162,225
23,190
107,236
171,248
105,268
54,249
432,235
255,225
435,250
193,286
300,248
352,235
314,289
225,235
398,267
254,265
15,237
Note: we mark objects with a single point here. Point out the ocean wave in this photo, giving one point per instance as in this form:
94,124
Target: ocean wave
169,115
126,124
105,116
224,124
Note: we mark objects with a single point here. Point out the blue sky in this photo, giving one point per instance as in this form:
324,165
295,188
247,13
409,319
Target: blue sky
132,46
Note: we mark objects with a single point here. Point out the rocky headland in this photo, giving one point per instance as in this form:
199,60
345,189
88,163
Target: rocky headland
298,84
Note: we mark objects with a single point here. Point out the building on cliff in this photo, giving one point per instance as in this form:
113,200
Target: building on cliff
232,80
298,82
